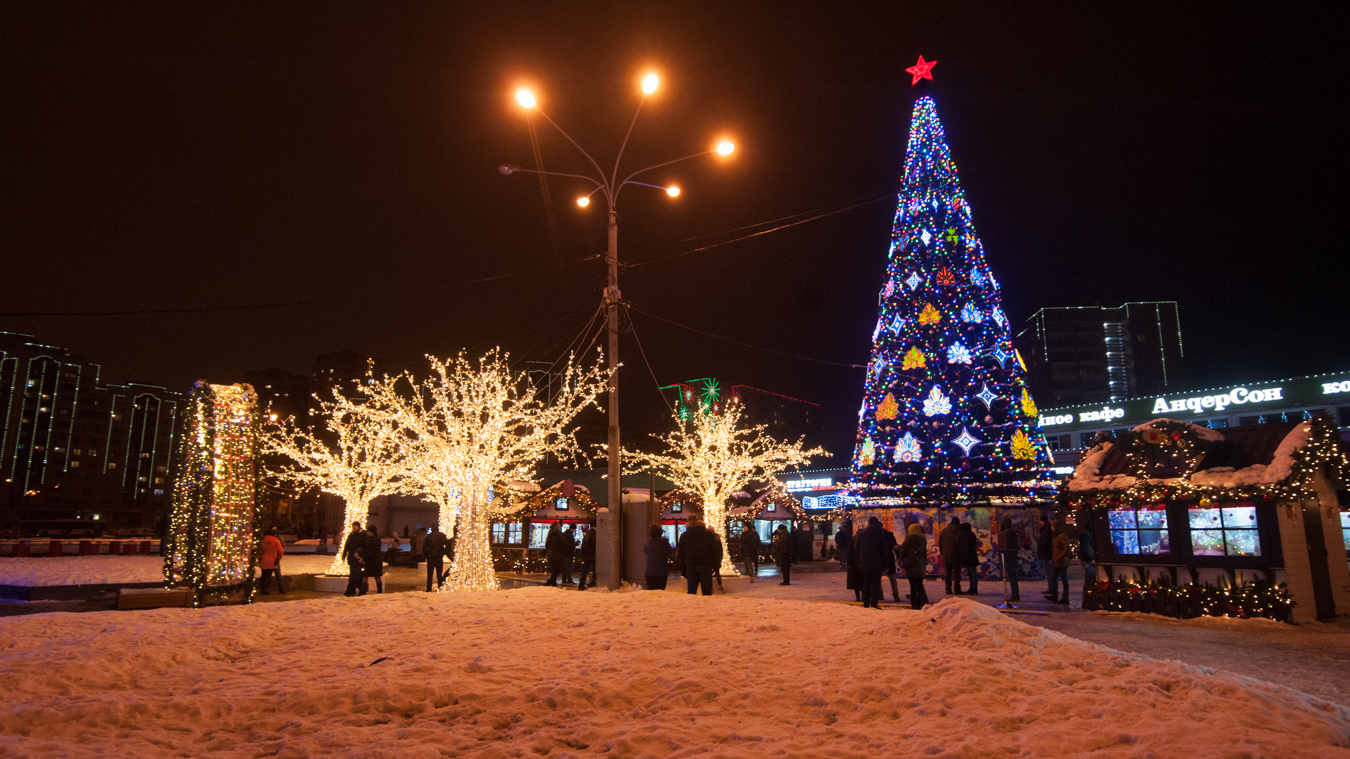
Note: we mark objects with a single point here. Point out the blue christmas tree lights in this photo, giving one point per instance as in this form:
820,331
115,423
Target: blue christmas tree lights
946,415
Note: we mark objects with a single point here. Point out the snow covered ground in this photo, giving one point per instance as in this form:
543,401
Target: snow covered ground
552,672
111,570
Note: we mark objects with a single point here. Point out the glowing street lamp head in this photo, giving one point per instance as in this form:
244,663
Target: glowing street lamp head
725,147
525,97
673,191
583,201
649,83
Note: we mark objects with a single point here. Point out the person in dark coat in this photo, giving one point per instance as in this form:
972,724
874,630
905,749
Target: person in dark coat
698,551
1087,553
1009,544
1045,538
351,553
750,544
554,552
853,579
569,548
970,557
803,539
783,552
658,551
587,555
949,548
419,536
372,558
843,540
1059,563
874,558
433,548
892,546
914,557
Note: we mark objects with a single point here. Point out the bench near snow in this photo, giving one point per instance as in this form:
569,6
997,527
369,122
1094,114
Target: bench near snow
550,672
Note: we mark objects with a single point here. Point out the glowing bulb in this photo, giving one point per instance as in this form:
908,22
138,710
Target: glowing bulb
725,147
583,201
673,191
525,97
649,83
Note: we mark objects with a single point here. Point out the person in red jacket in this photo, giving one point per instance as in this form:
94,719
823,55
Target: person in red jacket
272,551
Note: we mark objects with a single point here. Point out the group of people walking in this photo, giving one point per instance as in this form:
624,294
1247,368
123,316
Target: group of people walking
874,552
560,550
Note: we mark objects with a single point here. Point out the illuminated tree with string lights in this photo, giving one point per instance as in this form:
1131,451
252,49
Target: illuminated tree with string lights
946,413
475,431
711,455
364,462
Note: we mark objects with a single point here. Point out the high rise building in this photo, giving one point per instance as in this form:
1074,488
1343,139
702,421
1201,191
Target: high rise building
76,454
1091,354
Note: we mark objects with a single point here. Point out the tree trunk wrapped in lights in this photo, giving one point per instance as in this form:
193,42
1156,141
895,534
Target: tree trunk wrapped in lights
709,454
364,462
474,429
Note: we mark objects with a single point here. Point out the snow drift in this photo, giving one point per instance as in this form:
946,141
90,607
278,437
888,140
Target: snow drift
549,672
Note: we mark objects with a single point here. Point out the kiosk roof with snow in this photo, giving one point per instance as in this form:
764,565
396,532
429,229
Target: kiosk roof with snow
1232,507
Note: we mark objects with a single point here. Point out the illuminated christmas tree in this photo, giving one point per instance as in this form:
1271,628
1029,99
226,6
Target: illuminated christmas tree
946,415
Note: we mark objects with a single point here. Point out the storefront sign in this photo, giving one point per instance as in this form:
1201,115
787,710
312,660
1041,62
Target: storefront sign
1236,397
794,486
1331,388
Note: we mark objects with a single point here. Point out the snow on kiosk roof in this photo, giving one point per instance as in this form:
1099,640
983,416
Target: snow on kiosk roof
1236,508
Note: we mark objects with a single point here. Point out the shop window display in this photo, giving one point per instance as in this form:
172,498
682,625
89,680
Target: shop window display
1141,531
1226,530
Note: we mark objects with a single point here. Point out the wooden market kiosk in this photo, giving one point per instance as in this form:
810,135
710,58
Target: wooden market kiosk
1190,521
518,542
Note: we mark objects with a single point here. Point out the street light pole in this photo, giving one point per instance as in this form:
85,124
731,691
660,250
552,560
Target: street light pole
610,187
614,577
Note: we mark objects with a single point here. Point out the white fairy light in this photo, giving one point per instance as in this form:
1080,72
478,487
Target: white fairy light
472,431
707,455
362,464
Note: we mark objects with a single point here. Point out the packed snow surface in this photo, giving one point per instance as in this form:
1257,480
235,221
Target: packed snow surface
551,672
117,570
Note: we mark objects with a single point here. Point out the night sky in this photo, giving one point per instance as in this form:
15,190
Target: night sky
190,156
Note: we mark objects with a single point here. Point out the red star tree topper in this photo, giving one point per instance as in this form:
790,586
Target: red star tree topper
921,70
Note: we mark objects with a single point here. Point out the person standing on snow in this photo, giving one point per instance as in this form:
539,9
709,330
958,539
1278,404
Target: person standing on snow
415,543
658,550
351,553
1045,540
914,557
875,558
433,548
750,544
970,557
587,555
1009,544
1059,558
372,558
949,548
569,552
553,551
272,551
1087,553
783,553
892,546
699,551
844,540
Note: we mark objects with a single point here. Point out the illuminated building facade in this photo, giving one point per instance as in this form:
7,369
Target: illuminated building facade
76,454
1091,354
